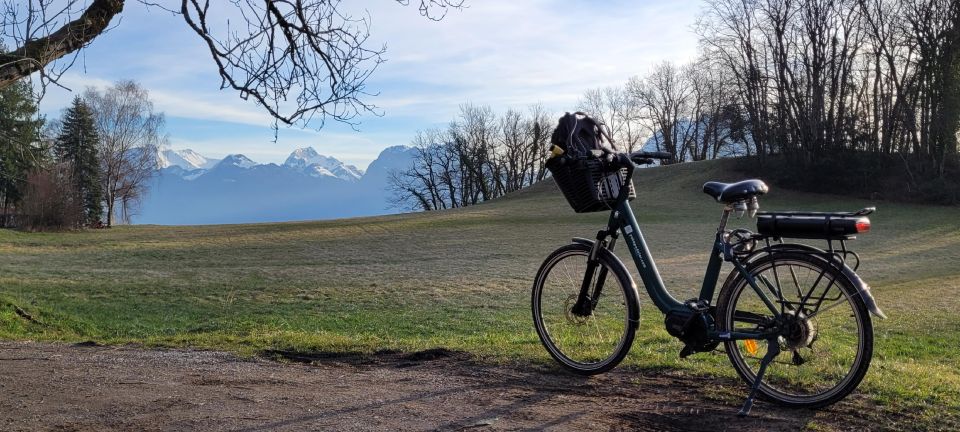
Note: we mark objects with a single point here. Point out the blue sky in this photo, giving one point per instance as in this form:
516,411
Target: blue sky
506,54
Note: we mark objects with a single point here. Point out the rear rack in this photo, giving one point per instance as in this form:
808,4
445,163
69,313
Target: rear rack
833,227
835,252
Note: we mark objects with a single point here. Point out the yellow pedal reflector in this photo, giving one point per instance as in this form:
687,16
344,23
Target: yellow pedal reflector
751,346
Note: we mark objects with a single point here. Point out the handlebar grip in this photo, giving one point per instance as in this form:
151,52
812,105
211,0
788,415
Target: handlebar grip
650,155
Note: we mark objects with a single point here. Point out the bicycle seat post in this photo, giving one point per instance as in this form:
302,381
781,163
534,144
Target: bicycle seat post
727,209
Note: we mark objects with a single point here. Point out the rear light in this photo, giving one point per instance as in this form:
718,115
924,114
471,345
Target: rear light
863,225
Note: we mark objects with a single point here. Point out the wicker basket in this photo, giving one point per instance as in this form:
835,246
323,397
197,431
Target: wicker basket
587,187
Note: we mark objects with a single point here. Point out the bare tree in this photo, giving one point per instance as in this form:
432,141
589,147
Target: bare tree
728,31
664,96
620,112
474,136
479,157
421,186
540,125
130,135
296,59
717,130
51,201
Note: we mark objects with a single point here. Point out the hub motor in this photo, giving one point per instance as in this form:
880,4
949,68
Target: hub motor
798,331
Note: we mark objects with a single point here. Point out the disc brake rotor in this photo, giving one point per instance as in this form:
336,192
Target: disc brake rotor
568,311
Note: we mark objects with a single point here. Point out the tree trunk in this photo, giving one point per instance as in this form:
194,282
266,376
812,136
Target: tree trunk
110,204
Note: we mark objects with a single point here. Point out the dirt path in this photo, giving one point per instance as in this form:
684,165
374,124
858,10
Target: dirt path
70,387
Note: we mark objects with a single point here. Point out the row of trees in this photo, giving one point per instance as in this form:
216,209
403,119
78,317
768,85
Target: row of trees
89,167
821,82
809,79
688,111
479,156
817,77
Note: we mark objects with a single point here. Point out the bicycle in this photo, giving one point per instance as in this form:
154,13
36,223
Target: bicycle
804,307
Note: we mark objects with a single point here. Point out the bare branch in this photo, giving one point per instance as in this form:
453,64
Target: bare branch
39,45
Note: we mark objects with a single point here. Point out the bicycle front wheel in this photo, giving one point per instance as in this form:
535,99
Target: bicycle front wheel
585,343
826,339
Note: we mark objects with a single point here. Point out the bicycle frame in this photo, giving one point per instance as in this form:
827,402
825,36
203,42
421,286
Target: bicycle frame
623,221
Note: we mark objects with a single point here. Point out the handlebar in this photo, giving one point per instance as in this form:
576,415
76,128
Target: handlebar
622,159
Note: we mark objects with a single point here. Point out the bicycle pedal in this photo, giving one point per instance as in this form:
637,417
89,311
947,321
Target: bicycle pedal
687,351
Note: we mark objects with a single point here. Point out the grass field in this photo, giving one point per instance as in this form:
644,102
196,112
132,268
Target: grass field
460,280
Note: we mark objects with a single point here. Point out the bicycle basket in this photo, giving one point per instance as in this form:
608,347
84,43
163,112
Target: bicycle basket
585,185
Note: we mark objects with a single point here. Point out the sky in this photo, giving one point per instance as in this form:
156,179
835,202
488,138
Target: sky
501,53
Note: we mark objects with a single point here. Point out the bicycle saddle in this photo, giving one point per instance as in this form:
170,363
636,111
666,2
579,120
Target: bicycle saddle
732,192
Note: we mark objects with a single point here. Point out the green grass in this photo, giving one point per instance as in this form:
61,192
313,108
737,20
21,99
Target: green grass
460,279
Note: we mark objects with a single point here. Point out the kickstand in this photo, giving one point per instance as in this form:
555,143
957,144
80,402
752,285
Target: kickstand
773,350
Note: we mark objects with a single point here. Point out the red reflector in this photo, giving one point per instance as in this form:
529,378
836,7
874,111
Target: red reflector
863,225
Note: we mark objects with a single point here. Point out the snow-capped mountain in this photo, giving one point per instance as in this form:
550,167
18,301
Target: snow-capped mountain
236,160
314,164
186,159
238,190
162,161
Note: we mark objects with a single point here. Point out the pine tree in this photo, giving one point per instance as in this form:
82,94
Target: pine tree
20,150
77,146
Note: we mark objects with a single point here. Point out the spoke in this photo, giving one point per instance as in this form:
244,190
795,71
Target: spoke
831,306
764,298
776,278
796,282
571,283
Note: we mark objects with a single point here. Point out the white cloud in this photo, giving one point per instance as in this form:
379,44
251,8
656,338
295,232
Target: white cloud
206,106
504,53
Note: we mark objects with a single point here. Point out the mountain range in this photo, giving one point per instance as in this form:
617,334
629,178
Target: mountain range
192,189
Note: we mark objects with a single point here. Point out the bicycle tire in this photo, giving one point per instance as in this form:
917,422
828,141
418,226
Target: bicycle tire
726,306
626,294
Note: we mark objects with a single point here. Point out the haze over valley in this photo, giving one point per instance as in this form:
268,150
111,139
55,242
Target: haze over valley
192,189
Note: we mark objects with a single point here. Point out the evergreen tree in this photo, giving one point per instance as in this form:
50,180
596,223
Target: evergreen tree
77,146
20,150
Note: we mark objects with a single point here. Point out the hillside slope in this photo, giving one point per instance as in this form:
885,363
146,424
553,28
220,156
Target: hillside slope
460,279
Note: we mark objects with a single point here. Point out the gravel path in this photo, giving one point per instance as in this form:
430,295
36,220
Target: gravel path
88,387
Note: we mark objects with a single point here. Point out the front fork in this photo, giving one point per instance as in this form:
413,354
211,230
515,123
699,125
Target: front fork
587,302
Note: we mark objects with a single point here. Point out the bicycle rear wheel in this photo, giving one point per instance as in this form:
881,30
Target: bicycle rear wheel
827,336
586,344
